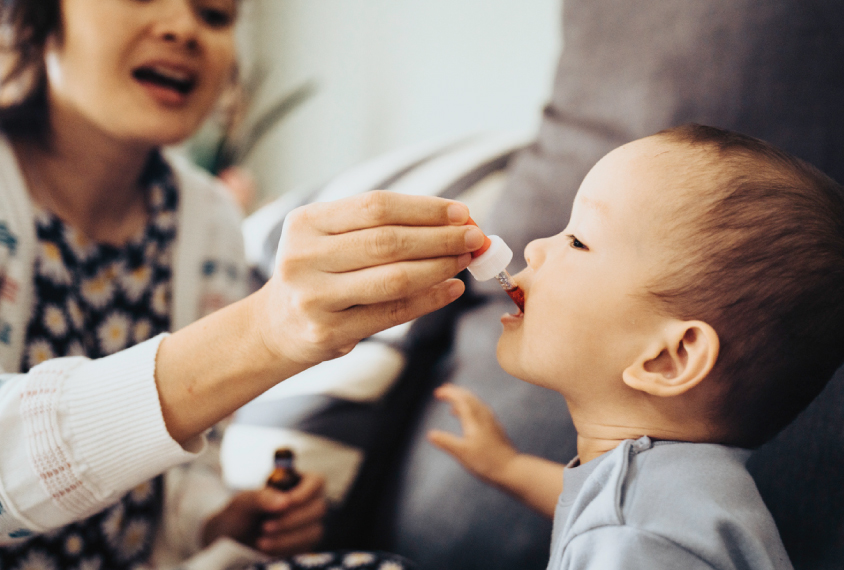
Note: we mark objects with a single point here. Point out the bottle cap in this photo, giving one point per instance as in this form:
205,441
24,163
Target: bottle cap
491,262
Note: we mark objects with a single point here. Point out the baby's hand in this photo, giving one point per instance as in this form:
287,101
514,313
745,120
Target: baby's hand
485,450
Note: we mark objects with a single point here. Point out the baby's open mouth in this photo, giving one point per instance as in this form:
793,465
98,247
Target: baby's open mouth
178,81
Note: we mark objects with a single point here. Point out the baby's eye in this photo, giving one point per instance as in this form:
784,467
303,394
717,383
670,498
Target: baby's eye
576,243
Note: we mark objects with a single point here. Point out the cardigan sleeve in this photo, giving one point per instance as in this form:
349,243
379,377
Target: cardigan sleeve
193,492
78,434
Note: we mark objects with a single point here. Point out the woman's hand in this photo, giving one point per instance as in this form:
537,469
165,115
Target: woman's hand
346,270
277,523
350,268
484,450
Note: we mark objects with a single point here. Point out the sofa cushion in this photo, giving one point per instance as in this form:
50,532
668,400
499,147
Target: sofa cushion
630,68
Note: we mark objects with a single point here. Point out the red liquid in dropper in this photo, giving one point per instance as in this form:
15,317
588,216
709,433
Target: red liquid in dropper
518,297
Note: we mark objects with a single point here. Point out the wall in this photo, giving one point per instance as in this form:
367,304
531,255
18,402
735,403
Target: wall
392,73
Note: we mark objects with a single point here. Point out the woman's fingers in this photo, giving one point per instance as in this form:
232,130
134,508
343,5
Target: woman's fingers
361,321
349,269
388,244
393,282
310,487
292,519
336,237
303,515
285,544
383,208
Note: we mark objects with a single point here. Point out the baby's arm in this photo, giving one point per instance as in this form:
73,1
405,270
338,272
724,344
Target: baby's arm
486,452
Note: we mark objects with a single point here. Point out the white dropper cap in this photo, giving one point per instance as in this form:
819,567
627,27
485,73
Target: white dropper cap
492,259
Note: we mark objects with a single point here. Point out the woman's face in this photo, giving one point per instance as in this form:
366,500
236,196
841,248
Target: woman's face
142,71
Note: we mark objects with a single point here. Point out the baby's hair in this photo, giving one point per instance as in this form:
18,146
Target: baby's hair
26,26
761,259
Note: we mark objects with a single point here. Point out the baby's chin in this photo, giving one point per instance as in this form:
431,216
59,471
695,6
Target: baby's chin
508,359
516,364
501,353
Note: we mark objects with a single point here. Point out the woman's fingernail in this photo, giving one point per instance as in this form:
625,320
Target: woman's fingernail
473,238
464,260
457,213
455,289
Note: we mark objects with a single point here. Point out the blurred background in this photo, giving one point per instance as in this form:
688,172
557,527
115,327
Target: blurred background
330,83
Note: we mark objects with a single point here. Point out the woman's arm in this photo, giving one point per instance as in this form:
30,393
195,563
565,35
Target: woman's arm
81,432
346,270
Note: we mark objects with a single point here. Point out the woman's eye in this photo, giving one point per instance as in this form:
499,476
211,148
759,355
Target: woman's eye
576,243
216,18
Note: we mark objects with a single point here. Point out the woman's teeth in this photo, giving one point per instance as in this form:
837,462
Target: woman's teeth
180,81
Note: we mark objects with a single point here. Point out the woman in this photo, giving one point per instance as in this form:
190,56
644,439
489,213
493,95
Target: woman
106,243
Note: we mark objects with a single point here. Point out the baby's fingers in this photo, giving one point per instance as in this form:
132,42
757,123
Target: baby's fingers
453,394
468,408
479,459
448,442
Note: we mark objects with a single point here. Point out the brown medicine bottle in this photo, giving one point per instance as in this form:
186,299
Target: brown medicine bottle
284,476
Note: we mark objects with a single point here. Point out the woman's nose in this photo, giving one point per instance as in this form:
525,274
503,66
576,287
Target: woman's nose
178,23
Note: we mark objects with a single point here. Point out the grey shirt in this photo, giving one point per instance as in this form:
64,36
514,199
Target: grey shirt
670,505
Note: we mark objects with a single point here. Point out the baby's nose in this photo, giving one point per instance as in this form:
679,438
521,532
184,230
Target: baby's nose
535,252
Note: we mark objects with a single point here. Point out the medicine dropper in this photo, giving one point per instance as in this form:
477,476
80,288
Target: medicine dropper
491,260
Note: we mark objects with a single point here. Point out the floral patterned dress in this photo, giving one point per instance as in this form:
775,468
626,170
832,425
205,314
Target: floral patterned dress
93,300
340,560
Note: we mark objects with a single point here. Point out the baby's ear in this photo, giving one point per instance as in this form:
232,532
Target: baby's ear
676,361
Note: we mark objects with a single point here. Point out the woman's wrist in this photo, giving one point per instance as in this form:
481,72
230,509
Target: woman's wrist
210,368
275,343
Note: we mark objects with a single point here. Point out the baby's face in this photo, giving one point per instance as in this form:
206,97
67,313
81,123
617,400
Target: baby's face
586,317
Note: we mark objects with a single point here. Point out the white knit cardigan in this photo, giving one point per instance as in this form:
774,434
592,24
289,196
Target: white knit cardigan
77,433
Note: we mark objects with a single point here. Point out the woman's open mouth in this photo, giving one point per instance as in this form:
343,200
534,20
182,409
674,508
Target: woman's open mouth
169,85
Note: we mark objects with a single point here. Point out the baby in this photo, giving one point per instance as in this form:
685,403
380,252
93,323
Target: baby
691,309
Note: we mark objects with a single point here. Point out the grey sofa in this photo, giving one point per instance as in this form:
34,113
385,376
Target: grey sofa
770,68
